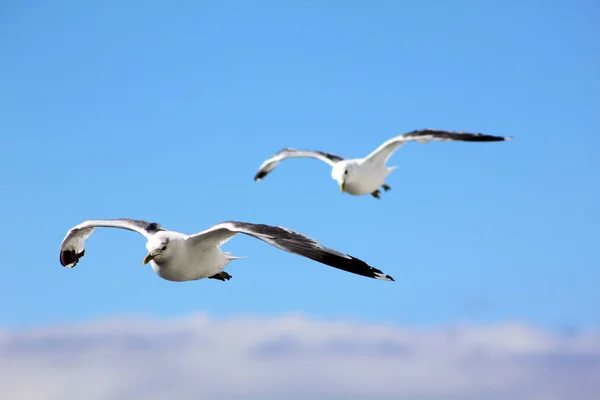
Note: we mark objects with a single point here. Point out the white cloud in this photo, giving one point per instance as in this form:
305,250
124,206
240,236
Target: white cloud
295,357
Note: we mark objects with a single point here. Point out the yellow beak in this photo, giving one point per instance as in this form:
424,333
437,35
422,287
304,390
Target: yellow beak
149,257
342,186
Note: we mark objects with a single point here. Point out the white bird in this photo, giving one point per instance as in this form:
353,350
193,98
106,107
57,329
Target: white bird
178,257
361,176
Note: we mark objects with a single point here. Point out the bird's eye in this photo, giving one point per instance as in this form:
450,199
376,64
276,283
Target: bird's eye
346,172
164,248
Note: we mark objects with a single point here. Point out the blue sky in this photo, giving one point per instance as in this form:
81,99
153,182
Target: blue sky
163,111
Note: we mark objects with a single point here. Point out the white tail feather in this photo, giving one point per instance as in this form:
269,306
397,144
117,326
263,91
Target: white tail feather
230,257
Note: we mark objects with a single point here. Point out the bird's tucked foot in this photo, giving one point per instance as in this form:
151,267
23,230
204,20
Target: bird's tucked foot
386,187
375,194
222,276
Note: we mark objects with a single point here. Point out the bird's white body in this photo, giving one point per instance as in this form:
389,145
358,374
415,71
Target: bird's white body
364,177
207,263
186,261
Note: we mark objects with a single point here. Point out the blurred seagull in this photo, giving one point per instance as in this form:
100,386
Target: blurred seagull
361,176
178,257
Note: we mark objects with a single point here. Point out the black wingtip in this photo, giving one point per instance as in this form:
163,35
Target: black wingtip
490,138
378,274
482,137
259,175
70,258
357,266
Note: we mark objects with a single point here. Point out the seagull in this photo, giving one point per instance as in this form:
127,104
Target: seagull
361,176
178,257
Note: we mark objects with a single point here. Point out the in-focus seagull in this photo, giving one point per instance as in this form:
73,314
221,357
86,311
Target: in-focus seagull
360,176
178,257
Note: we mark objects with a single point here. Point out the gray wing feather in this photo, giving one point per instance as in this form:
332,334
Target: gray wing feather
383,152
72,247
270,164
287,240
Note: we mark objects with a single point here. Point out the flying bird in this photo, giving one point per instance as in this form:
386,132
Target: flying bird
361,176
178,257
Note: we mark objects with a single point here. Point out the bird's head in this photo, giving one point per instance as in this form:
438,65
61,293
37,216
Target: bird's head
158,248
342,172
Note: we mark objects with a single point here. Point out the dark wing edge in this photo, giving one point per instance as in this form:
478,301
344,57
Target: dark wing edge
454,136
386,149
333,157
73,245
293,242
287,152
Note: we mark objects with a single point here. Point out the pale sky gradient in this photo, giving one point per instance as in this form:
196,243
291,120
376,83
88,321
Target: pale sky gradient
295,357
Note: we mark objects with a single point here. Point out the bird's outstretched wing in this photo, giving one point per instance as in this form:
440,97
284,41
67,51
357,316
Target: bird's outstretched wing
287,240
272,162
383,152
73,248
